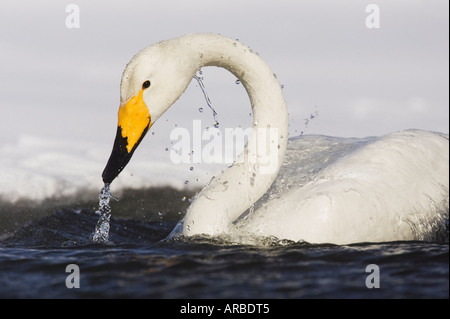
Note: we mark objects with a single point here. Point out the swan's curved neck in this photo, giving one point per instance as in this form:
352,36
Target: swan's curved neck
228,195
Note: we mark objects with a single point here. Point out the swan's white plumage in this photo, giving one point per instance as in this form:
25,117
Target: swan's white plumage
393,188
383,191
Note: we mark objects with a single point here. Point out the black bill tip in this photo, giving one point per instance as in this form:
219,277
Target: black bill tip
120,156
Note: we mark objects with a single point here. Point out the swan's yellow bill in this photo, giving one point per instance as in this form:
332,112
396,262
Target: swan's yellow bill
134,118
134,122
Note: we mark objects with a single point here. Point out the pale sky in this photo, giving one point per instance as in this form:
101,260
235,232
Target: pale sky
61,82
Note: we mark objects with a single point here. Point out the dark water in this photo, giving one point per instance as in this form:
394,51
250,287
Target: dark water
142,264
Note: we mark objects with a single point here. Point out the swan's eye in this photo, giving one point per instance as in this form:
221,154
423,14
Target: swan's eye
146,85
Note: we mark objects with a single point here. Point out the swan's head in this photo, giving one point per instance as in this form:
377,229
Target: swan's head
151,82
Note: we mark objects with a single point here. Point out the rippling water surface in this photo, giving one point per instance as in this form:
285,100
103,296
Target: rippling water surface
140,263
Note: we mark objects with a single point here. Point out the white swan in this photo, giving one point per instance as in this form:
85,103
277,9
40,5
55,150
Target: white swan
395,188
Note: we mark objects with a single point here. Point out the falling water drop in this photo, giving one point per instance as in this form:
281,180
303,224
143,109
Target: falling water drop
208,101
238,82
101,233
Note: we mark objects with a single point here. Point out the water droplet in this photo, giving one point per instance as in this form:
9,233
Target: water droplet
216,125
167,149
234,44
200,110
282,86
101,233
238,82
205,94
191,168
186,182
131,174
153,133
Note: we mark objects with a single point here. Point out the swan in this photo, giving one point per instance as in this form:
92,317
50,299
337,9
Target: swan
394,188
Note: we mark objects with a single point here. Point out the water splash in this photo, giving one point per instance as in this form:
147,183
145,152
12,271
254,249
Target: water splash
208,101
101,233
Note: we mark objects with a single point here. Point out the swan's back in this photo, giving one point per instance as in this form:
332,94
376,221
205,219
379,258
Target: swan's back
390,188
